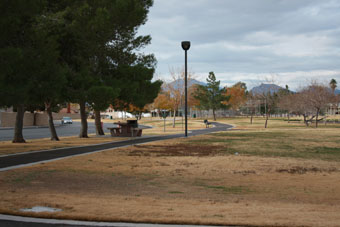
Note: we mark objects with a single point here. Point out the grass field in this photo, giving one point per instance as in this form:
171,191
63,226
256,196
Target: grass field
286,175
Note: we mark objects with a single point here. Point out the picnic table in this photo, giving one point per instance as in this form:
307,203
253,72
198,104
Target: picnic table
126,129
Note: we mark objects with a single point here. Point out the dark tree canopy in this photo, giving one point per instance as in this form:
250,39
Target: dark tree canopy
29,59
99,42
17,49
81,51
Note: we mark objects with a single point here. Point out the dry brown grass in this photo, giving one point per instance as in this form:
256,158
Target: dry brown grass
158,126
198,180
7,147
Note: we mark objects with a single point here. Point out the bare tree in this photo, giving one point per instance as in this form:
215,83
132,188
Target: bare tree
251,104
269,97
318,98
311,101
269,101
300,106
176,89
286,102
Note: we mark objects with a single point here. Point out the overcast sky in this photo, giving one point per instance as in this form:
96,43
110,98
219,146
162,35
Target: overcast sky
290,41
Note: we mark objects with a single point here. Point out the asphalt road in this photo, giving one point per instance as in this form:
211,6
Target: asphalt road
44,132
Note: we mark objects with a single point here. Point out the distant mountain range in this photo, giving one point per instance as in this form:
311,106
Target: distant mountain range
265,88
261,89
180,83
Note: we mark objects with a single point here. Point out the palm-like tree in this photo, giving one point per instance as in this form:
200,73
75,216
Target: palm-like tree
333,84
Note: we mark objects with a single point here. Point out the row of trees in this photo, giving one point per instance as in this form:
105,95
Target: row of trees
81,51
310,102
201,97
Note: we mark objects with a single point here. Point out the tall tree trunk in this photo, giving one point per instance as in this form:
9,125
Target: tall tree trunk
174,121
316,120
54,135
68,107
83,117
214,114
19,123
251,119
305,119
98,123
266,123
288,117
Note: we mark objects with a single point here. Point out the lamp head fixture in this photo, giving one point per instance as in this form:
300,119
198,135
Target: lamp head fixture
186,45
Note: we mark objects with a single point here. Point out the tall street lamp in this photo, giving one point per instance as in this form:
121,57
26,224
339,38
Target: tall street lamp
186,46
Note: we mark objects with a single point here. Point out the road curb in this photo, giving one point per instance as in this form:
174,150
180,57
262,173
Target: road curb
63,222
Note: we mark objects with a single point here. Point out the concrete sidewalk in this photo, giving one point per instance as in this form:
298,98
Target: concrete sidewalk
18,221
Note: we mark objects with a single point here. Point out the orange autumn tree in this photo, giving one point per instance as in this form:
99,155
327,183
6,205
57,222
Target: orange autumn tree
162,101
238,95
137,111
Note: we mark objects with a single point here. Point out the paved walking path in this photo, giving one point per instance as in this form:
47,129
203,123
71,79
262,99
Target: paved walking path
25,159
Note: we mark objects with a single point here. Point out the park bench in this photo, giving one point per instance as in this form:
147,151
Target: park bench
207,123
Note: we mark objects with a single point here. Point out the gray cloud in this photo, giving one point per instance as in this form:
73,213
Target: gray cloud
248,37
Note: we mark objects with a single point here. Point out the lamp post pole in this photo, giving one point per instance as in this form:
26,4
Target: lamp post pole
186,46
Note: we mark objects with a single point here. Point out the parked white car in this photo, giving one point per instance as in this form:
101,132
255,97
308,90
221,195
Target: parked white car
66,120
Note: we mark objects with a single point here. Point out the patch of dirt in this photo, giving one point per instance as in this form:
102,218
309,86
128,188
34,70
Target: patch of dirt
303,170
245,172
177,150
